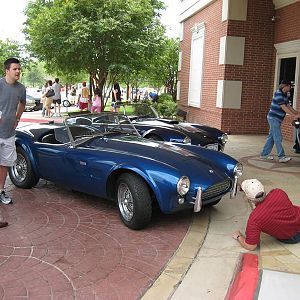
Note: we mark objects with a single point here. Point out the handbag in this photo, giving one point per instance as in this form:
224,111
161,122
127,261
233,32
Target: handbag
50,93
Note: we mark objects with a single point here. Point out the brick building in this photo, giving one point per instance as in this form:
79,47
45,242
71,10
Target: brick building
233,55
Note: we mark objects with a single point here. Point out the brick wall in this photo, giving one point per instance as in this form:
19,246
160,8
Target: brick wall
257,73
214,30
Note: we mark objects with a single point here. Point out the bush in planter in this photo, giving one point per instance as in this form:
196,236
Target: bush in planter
166,106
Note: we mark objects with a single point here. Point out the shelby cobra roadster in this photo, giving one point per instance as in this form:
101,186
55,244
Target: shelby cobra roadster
104,155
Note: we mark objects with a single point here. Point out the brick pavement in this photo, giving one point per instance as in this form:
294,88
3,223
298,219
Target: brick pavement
66,245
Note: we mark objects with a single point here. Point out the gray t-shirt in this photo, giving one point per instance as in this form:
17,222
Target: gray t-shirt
10,96
56,87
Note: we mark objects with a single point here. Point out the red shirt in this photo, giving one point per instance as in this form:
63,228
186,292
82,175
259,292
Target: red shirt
275,215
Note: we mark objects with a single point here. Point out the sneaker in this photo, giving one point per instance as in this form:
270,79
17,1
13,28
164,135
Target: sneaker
3,224
269,157
284,159
4,198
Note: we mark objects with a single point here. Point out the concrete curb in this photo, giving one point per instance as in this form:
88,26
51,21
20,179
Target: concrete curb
175,270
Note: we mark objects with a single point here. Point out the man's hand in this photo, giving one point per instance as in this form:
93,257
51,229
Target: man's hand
236,235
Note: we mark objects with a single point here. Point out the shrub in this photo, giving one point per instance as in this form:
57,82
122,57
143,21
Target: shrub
166,106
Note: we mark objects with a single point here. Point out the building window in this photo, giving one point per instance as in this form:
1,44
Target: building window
196,65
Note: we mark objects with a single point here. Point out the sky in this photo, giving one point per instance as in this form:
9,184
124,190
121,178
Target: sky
12,23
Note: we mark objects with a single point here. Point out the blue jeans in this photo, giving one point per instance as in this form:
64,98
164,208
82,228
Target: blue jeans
274,137
293,240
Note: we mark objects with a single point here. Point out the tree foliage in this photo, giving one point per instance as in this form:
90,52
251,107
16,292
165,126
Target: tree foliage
98,37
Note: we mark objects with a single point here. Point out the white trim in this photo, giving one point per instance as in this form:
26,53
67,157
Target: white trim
191,7
288,47
179,60
195,90
282,3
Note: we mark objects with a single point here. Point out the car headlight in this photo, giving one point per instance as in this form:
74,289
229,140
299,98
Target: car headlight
238,170
187,140
183,185
224,138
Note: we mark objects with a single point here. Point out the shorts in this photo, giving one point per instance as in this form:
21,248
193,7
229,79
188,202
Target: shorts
58,101
48,103
8,154
83,105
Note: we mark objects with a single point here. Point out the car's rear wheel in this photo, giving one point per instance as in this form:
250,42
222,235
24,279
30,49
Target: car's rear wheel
134,201
21,173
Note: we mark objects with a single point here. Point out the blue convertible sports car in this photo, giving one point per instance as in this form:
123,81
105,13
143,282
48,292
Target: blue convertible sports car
150,125
104,155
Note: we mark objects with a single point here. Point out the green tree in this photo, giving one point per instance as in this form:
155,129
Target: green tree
98,37
9,49
163,70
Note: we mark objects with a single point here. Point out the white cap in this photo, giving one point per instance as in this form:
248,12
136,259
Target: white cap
253,188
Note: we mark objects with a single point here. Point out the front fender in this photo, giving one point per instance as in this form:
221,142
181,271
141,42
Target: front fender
162,183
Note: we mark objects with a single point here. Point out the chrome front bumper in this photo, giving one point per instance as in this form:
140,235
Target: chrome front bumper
198,199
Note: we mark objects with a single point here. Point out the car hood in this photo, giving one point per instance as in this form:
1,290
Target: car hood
166,153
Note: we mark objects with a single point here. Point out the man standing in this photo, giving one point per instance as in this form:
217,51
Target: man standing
57,97
12,105
277,112
274,214
116,97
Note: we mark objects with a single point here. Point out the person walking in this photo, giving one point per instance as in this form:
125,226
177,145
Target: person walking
279,108
97,103
12,106
57,97
83,97
116,97
49,100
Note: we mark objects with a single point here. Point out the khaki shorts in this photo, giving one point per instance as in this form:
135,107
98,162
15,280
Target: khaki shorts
8,154
48,102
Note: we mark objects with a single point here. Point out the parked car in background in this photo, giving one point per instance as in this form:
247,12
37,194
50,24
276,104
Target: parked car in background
150,125
33,103
104,155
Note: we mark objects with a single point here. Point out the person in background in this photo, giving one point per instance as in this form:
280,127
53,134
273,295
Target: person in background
279,107
57,97
48,101
43,98
116,97
73,94
12,106
83,97
97,103
274,214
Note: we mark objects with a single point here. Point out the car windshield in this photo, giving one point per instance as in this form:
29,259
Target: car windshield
137,111
81,128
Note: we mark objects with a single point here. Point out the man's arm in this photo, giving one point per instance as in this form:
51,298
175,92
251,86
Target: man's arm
237,235
289,110
20,110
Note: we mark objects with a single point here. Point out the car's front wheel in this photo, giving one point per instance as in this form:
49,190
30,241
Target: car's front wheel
134,201
21,173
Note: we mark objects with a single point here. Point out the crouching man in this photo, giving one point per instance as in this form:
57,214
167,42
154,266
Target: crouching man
274,214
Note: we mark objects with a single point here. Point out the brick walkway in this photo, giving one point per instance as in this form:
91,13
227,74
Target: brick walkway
65,245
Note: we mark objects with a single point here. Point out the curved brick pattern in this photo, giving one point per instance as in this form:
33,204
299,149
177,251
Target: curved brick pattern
65,245
291,167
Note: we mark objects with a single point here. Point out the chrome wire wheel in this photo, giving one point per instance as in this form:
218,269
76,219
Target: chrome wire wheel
20,168
125,201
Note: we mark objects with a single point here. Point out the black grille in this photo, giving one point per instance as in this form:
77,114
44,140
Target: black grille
217,190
